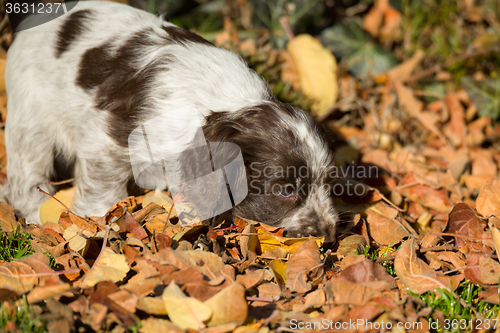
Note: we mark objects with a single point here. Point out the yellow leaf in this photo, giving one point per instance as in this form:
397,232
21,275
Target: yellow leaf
109,266
51,209
317,68
228,305
161,200
269,241
249,241
496,238
278,267
77,240
3,61
185,312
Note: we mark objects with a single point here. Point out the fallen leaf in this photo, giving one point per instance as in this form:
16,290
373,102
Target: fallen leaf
51,209
161,199
159,326
383,229
228,306
464,221
317,68
304,268
489,270
368,274
109,266
351,293
249,240
414,272
351,244
488,201
8,220
185,312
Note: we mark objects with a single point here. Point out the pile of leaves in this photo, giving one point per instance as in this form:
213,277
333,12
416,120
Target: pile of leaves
411,96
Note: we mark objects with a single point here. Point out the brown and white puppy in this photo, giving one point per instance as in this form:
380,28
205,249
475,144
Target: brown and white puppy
79,85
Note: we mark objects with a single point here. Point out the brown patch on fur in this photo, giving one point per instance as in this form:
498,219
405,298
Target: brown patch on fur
181,36
121,88
73,27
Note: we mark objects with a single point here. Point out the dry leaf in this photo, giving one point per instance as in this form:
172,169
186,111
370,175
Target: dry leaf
186,312
464,221
413,272
249,240
228,306
161,199
305,268
51,209
159,326
488,201
317,68
489,270
383,229
109,266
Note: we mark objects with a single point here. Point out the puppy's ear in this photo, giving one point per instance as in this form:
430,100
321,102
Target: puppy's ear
213,173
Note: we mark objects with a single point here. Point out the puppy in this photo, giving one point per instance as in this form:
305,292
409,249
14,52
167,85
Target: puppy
80,85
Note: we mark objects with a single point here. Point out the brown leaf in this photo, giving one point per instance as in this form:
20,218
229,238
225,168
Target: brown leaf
403,71
186,312
363,313
305,268
456,127
159,326
490,295
110,266
369,274
350,244
351,293
488,201
464,221
24,274
8,220
249,240
413,272
228,305
483,164
425,195
372,21
384,229
472,272
489,270
127,223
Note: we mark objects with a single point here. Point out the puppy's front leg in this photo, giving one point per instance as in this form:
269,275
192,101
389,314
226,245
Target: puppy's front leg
30,165
100,184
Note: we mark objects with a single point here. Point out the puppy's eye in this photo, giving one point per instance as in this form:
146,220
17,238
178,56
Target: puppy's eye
286,191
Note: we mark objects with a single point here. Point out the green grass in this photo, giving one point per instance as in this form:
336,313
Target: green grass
459,318
15,245
25,319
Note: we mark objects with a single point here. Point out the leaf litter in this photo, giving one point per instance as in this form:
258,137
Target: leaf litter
425,228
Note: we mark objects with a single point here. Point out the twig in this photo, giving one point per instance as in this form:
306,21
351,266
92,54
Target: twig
263,299
68,271
472,239
286,26
172,207
62,182
69,210
53,197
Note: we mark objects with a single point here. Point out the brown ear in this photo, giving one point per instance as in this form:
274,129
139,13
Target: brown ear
211,169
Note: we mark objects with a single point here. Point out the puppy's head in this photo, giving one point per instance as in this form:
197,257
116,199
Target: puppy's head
287,163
